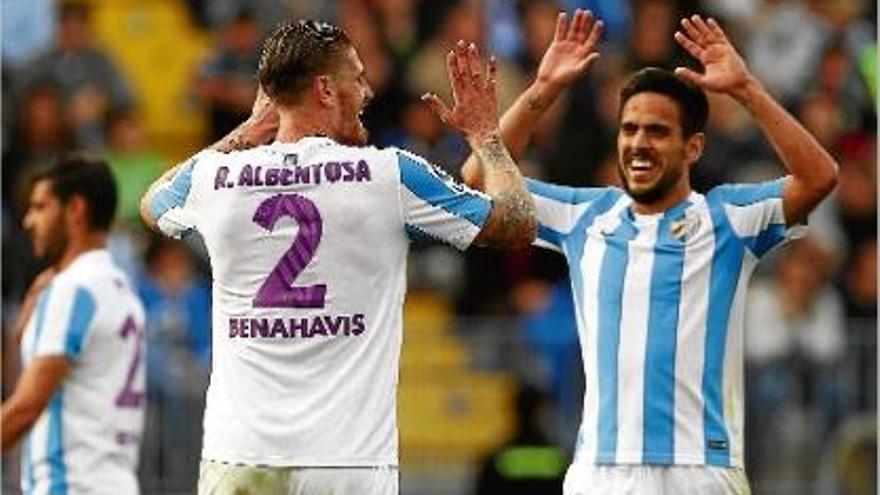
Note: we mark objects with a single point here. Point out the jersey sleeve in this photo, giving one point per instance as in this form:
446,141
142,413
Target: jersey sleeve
64,314
756,215
559,209
175,204
436,206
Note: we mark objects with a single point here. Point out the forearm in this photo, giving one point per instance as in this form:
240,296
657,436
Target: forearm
512,221
15,421
517,125
807,161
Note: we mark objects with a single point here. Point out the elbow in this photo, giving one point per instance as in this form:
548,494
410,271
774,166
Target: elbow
146,214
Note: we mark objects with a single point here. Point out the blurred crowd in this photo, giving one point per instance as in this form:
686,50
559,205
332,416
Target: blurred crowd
811,337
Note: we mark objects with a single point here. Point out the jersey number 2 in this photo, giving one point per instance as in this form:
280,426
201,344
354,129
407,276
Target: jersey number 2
278,290
129,397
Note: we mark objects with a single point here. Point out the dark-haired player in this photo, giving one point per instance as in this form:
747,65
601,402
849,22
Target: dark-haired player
660,271
79,404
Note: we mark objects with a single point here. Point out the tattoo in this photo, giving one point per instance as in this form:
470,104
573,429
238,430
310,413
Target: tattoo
512,221
236,140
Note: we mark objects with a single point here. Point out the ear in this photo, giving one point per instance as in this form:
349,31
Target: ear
693,148
77,211
325,90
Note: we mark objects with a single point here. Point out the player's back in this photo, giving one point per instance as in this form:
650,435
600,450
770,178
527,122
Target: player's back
87,439
308,250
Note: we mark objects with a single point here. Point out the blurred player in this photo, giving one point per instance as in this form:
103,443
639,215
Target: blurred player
79,403
659,271
308,238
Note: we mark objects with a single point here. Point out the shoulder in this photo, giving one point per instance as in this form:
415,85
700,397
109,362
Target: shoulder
747,194
573,195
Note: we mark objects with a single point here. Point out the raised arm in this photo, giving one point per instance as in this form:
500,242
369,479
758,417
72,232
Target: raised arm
568,58
813,171
512,221
259,128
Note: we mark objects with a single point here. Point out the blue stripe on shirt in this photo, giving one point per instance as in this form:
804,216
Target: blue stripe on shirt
173,195
80,321
658,445
442,193
55,447
576,242
726,267
767,239
747,194
611,276
40,319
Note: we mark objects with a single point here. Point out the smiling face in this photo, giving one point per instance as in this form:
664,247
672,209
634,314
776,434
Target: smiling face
655,156
353,95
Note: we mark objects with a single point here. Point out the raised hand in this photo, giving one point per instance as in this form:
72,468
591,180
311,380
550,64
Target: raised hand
475,107
573,49
724,69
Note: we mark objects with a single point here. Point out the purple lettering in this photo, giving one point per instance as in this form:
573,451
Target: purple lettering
333,324
333,171
301,326
359,326
261,326
220,178
279,328
318,327
348,167
363,171
258,176
316,170
246,177
243,328
233,327
272,176
301,175
285,178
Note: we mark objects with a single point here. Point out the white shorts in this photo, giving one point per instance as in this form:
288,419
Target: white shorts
220,478
654,480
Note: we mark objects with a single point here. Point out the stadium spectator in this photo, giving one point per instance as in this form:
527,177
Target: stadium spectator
79,403
89,81
307,404
226,81
656,267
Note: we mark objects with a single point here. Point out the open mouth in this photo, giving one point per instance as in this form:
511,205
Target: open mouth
641,167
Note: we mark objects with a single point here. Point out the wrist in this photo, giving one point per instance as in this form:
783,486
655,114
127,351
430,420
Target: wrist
747,92
477,140
543,92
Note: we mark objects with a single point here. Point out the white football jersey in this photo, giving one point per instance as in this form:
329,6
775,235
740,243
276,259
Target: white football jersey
308,244
660,307
87,439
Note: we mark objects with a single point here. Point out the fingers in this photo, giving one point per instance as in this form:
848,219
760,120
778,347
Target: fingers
716,29
576,20
586,63
461,60
584,28
475,69
595,34
560,27
694,49
492,70
437,106
690,75
702,32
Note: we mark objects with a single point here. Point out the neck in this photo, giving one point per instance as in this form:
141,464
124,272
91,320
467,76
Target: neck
672,198
79,245
299,122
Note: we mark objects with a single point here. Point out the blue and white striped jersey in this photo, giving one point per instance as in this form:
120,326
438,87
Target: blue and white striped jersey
87,439
308,244
660,303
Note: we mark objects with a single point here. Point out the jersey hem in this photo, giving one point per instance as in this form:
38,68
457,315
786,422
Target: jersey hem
636,458
285,461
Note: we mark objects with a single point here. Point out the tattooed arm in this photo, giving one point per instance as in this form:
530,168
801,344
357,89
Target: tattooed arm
567,59
512,221
259,128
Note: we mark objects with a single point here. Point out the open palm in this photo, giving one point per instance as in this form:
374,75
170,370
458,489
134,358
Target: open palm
724,69
573,49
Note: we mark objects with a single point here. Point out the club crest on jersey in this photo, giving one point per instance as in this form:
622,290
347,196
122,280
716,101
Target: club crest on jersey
685,228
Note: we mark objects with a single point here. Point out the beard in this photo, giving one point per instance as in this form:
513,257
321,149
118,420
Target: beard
53,245
657,191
